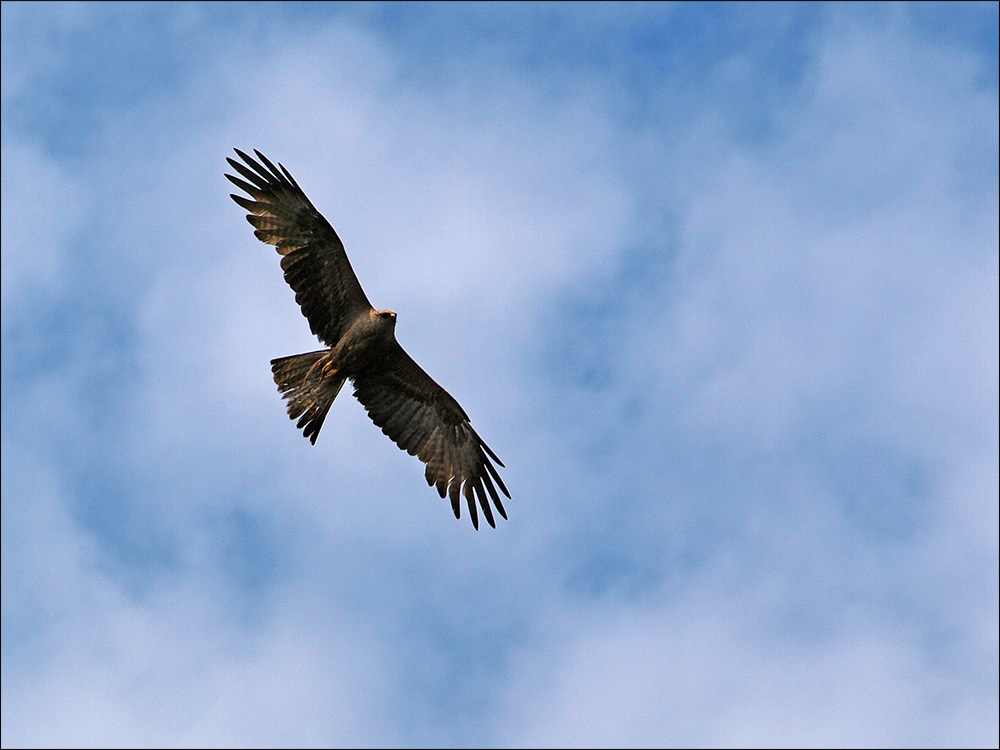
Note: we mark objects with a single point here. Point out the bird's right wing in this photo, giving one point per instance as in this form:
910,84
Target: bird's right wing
315,263
423,419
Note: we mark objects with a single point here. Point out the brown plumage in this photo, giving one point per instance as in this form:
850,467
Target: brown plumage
418,415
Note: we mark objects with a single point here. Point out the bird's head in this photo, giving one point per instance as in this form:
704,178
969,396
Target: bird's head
384,318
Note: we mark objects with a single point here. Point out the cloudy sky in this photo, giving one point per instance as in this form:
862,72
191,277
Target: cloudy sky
717,283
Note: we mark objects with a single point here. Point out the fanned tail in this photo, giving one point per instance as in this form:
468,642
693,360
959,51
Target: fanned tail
310,383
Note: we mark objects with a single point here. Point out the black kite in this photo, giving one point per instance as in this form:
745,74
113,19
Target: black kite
418,415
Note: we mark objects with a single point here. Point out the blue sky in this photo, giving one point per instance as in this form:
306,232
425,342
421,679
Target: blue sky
718,283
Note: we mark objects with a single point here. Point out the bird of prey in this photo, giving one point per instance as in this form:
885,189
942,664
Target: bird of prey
415,412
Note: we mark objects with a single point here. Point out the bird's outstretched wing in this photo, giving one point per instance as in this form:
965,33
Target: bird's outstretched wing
423,419
314,262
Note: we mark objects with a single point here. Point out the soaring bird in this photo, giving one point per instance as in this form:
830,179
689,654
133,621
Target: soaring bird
415,412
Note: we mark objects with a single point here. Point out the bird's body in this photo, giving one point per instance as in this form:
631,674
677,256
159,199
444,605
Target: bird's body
419,415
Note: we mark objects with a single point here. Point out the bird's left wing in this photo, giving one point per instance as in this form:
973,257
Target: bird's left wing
423,419
315,263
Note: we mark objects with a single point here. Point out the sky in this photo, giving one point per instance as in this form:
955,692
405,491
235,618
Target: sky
718,283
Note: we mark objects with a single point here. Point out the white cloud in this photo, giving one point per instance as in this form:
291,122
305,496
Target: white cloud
35,254
714,672
838,288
